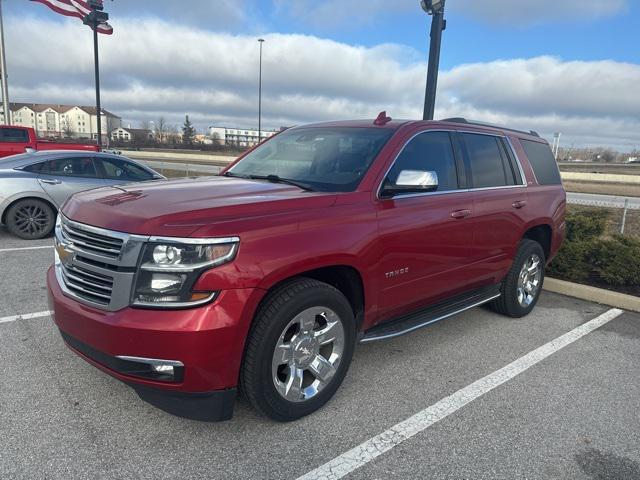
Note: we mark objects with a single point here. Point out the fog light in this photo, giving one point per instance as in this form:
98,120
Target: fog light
165,369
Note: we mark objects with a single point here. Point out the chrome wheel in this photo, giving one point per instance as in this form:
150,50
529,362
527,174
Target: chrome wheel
32,220
529,280
307,354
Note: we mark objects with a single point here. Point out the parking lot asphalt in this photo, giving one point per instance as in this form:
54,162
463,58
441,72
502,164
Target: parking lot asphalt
575,414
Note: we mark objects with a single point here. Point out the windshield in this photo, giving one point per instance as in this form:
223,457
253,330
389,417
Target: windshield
323,158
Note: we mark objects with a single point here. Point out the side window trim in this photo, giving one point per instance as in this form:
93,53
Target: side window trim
458,155
455,154
508,164
97,163
509,173
514,159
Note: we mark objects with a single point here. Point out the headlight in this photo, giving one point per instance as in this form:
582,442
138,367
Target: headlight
170,268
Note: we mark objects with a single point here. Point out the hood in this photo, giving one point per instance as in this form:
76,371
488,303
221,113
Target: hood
180,207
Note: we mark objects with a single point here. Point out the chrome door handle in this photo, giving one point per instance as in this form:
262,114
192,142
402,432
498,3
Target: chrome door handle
460,213
519,204
51,182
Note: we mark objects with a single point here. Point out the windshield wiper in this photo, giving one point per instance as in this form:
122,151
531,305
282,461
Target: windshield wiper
274,179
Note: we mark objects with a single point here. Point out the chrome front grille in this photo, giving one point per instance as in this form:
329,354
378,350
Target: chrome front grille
96,266
91,286
92,242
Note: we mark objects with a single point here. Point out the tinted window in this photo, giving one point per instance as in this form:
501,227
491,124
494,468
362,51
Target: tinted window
543,163
117,169
487,166
36,167
71,167
512,164
430,151
17,135
332,159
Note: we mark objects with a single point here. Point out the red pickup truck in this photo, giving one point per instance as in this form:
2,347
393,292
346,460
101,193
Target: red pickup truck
15,140
265,277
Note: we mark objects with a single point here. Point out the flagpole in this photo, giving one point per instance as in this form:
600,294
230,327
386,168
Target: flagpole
93,19
97,73
3,66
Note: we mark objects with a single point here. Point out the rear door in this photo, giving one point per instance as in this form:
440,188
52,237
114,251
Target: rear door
499,202
62,177
13,141
425,237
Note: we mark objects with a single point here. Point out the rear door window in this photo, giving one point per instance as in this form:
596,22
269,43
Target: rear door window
431,151
488,168
542,161
13,135
71,167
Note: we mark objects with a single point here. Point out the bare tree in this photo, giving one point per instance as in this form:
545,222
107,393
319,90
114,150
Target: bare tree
145,125
161,129
67,129
111,126
173,134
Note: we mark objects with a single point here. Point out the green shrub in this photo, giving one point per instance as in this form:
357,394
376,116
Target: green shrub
572,262
586,224
617,260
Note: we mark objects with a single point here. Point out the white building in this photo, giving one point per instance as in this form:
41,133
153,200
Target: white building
131,134
238,137
62,121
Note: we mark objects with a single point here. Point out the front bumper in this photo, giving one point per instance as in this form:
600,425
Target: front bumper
208,341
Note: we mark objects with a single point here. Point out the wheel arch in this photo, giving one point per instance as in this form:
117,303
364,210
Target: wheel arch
28,196
541,233
347,278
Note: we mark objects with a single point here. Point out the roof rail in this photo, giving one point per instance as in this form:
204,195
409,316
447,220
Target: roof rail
485,124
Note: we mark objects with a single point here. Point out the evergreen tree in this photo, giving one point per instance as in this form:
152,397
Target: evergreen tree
188,131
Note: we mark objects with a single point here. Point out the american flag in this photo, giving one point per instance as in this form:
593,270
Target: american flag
74,8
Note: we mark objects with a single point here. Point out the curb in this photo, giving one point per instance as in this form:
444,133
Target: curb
593,294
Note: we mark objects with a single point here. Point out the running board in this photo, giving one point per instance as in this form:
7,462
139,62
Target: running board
427,316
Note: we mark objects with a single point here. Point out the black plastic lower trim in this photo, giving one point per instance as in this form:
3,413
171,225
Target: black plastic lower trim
204,406
124,367
214,406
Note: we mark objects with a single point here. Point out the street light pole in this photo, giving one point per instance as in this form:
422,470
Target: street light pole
260,41
3,66
435,8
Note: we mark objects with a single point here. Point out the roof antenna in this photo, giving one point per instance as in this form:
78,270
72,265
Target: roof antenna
382,119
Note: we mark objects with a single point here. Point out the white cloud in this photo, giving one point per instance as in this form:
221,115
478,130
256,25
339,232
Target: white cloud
152,68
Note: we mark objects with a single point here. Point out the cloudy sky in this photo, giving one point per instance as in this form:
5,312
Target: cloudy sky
571,66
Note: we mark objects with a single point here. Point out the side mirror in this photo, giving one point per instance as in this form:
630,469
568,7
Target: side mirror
411,181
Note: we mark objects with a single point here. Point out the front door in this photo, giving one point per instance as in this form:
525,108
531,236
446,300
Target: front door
425,238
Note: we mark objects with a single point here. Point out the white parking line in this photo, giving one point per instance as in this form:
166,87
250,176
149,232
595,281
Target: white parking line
24,248
376,446
25,316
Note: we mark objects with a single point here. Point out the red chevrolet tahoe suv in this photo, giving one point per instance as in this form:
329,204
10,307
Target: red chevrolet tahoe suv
264,278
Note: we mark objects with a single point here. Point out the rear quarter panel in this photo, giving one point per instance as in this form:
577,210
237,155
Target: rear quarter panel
546,204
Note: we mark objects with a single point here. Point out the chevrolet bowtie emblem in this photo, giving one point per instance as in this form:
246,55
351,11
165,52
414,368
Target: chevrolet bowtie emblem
65,255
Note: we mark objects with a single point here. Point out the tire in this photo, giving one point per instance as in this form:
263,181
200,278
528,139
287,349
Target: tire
30,219
515,301
295,319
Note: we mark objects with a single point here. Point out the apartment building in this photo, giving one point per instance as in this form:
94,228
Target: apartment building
238,137
62,121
